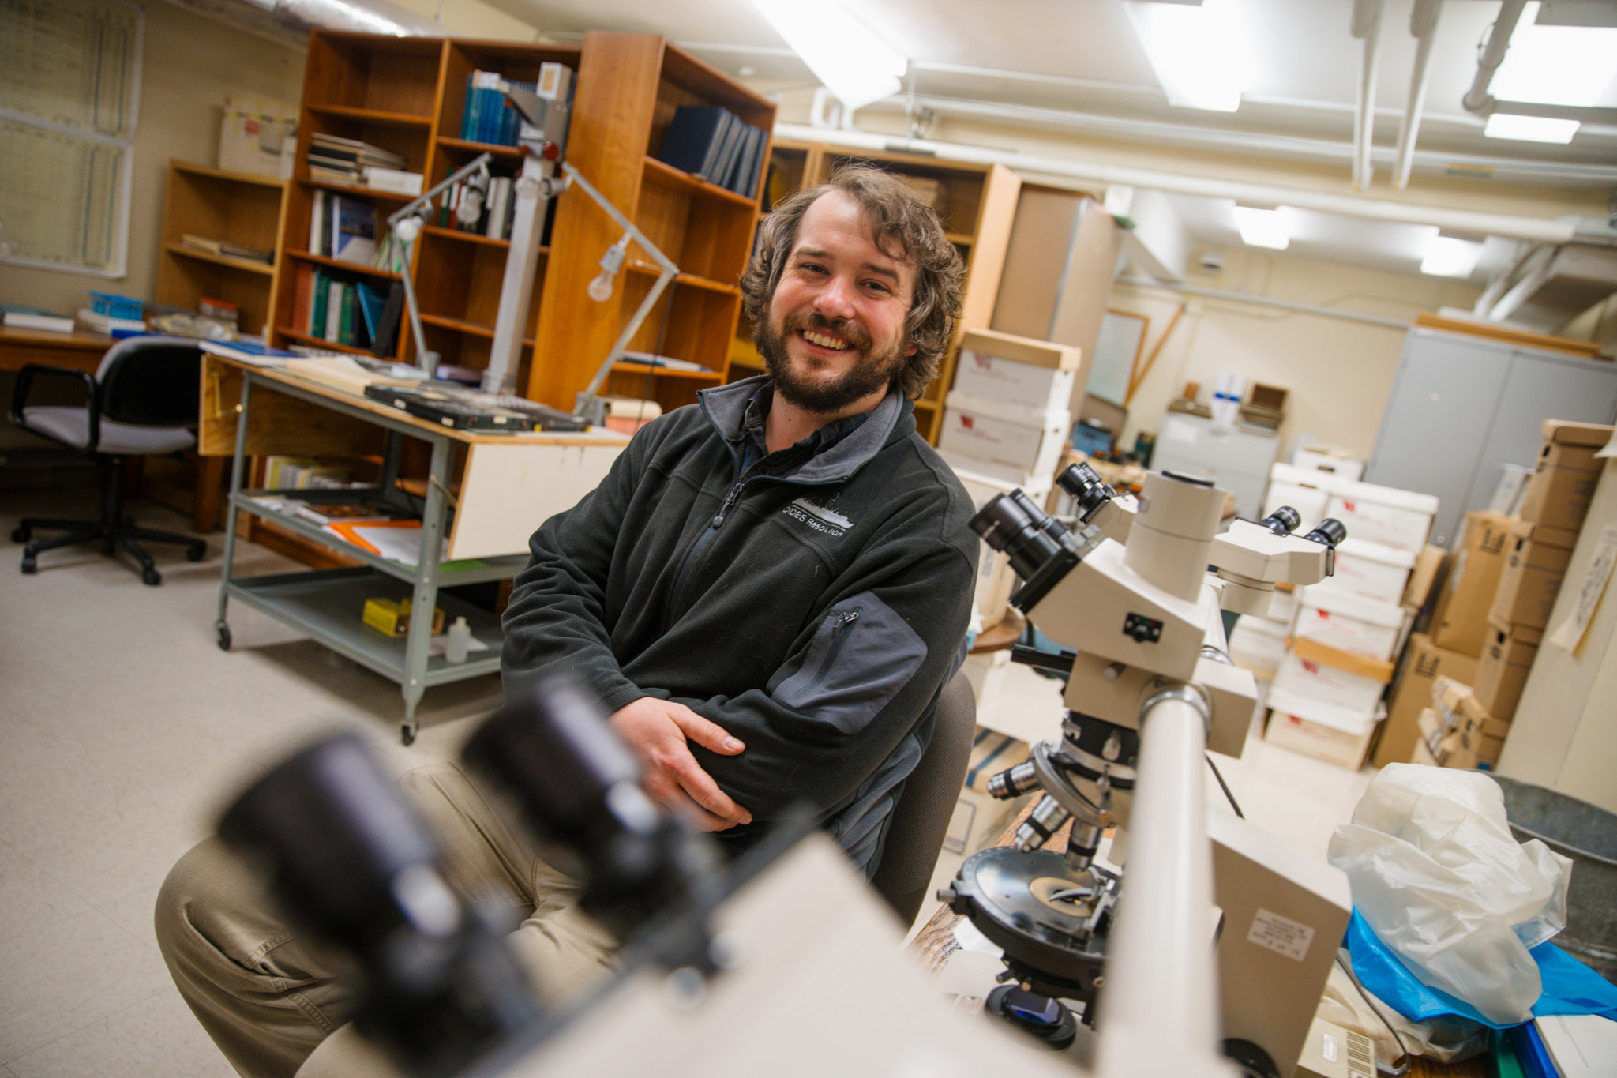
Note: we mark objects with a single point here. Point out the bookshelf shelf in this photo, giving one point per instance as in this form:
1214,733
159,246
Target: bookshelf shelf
248,179
347,267
472,237
371,116
320,342
689,280
472,149
245,265
355,189
667,175
642,369
459,325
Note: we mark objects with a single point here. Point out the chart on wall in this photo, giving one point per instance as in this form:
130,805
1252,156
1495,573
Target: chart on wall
69,95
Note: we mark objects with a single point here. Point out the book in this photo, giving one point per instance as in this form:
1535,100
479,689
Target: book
669,362
245,351
302,298
18,317
326,512
372,302
385,340
342,372
353,230
332,330
1580,1045
349,329
719,164
106,323
227,249
392,179
317,223
317,309
693,135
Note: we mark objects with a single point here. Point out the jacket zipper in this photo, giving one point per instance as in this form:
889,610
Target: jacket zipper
839,637
701,544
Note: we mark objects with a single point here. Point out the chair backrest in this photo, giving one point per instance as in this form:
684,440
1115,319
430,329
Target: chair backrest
921,817
151,382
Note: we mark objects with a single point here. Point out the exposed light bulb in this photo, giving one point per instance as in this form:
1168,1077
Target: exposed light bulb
600,289
408,229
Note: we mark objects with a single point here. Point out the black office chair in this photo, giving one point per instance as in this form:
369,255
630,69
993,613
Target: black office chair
141,402
921,817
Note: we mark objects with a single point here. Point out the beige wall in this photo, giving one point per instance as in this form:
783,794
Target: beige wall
188,66
1339,372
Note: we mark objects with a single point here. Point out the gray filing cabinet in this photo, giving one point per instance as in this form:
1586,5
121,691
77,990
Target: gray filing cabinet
1462,407
1235,459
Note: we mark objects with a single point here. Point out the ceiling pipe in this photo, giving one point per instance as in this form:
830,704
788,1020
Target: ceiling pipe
1507,226
1477,99
1423,25
1366,27
1226,141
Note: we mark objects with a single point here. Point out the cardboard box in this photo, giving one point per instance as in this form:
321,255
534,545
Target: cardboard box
1258,645
1460,622
1370,571
1350,623
1018,371
258,135
392,618
979,819
1424,577
999,441
1333,462
1507,659
1422,663
1468,736
1302,728
1565,475
1531,579
1391,517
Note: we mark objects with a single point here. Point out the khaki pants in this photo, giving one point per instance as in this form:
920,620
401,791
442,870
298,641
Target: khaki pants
268,998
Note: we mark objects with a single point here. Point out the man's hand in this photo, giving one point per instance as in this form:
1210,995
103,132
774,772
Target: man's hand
657,730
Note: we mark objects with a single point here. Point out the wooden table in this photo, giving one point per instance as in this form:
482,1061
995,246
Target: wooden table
82,350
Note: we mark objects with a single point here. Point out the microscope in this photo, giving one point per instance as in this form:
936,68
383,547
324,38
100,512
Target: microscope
1127,594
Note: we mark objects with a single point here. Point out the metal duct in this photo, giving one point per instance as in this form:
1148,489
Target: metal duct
1423,25
1366,27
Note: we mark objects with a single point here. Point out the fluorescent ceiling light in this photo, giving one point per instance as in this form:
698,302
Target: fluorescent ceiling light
1195,51
1556,65
1530,128
852,62
1262,228
349,15
1447,257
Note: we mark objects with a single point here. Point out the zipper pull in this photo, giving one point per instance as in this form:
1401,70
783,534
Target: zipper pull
848,619
729,500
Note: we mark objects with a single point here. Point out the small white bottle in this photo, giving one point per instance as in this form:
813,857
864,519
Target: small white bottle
460,636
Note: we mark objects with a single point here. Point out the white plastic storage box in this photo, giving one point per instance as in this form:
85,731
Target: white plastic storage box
1325,733
1328,687
1397,518
1350,623
1369,571
1304,489
1017,371
1319,459
1000,441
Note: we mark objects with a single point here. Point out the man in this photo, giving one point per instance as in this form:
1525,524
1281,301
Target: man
767,593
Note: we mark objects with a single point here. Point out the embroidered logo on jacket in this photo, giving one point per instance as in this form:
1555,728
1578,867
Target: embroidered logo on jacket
818,517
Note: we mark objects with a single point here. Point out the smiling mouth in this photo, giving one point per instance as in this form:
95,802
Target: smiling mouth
822,340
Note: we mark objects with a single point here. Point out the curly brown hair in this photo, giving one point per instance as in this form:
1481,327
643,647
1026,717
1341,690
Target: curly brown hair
895,214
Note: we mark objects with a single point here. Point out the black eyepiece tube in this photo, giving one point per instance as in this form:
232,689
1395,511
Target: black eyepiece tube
1087,488
1013,524
1330,532
1282,521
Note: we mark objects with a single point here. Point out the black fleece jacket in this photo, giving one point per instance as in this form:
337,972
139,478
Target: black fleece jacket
815,616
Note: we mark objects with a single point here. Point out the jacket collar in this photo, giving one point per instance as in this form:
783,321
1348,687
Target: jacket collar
892,420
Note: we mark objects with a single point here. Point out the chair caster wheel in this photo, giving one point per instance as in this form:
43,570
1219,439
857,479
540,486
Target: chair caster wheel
196,553
224,637
151,577
21,534
407,734
28,566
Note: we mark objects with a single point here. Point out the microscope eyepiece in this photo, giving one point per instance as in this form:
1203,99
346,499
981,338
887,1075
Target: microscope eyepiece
1329,533
1086,487
1282,521
1013,524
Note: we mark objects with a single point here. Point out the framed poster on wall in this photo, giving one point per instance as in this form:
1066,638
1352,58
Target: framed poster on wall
1117,351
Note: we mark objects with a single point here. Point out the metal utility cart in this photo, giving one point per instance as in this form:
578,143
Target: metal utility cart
509,484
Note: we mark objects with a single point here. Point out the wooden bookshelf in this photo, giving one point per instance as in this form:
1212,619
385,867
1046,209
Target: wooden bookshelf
978,206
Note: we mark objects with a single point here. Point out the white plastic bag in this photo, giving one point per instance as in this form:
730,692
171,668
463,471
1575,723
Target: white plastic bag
1437,875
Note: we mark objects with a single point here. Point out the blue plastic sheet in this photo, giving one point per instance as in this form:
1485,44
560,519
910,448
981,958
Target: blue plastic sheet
1570,987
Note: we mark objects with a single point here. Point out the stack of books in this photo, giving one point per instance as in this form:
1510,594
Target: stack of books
486,118
492,218
226,249
714,144
344,160
17,317
352,313
342,227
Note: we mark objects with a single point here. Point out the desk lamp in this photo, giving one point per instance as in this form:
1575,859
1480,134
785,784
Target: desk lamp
543,135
